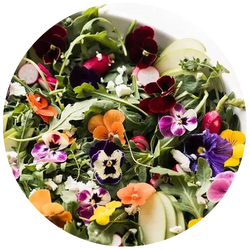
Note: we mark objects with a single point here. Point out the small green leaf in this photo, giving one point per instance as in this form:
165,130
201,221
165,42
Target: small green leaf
164,171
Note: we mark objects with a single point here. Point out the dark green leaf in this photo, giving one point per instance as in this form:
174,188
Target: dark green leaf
72,229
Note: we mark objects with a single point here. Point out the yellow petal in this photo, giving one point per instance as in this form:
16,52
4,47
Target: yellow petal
113,205
227,134
102,220
193,222
232,162
238,137
238,150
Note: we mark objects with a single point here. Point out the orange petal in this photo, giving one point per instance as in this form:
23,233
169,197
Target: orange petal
51,209
45,118
94,122
125,193
144,190
113,116
40,198
101,132
118,129
61,219
41,102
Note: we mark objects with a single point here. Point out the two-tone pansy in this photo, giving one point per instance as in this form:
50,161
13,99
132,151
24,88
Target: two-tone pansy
12,158
107,160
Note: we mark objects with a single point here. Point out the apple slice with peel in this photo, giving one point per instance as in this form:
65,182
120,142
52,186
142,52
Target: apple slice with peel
172,59
152,219
183,43
170,214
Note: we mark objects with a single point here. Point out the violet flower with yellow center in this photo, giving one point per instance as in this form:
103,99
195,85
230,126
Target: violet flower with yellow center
237,139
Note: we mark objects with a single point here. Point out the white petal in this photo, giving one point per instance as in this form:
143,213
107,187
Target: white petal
17,89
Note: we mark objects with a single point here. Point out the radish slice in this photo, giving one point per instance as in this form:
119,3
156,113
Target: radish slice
147,75
28,73
117,241
135,71
44,70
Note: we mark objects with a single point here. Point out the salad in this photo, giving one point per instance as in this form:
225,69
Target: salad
117,140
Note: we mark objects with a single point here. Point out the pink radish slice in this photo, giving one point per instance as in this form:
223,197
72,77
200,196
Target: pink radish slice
44,70
28,73
135,71
147,75
117,241
51,83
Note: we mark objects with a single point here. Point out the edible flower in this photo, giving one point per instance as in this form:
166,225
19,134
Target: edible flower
102,213
194,221
53,211
40,106
135,193
160,101
51,81
50,45
212,147
141,46
80,75
106,160
220,186
12,158
237,139
89,200
107,126
178,121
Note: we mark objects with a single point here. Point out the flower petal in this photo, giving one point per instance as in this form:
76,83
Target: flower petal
83,197
40,198
238,150
190,120
101,132
235,137
118,129
166,83
160,105
54,139
193,222
51,55
144,105
150,45
165,124
177,128
177,111
61,219
40,151
153,88
228,175
94,122
141,33
113,116
51,209
57,156
232,162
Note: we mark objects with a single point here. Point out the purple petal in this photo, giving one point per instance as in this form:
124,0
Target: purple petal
178,111
40,151
15,171
165,124
177,128
228,175
58,156
217,190
84,197
190,120
86,212
103,195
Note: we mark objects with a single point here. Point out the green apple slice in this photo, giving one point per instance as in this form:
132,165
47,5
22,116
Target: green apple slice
5,121
171,60
152,219
170,214
183,43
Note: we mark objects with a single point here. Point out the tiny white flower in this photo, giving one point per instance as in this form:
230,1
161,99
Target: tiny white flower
16,89
119,80
51,184
58,178
98,56
110,86
39,166
122,90
90,174
121,70
176,229
132,210
183,160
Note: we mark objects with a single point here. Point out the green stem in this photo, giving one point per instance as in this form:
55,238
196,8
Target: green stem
23,83
26,139
130,29
220,104
54,92
202,102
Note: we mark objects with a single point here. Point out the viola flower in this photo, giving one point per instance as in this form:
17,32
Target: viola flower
53,211
141,46
220,186
193,222
237,139
80,75
160,101
12,158
40,106
183,162
51,81
102,214
90,200
106,160
107,126
50,45
178,121
135,193
212,147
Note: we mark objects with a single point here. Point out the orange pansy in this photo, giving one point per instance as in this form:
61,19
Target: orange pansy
54,212
40,106
107,126
135,193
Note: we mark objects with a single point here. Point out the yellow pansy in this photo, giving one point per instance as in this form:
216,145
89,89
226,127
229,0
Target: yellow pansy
195,223
237,139
102,213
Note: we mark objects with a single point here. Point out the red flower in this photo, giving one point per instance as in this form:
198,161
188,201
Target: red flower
50,45
141,46
161,100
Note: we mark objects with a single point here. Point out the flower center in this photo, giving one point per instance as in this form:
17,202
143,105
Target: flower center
201,150
145,53
52,47
134,196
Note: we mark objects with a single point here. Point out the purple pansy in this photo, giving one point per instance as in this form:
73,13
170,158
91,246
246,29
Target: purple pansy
90,200
43,153
12,157
107,160
220,186
212,147
178,121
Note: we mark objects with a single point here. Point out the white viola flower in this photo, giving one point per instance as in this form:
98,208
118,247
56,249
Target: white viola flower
50,184
119,80
16,89
122,90
58,179
110,86
183,161
12,156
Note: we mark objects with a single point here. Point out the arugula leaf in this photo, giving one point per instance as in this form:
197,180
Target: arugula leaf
71,112
72,229
164,171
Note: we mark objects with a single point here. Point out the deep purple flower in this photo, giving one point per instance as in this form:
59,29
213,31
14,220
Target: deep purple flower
141,46
107,160
43,153
220,186
50,45
212,147
178,121
80,75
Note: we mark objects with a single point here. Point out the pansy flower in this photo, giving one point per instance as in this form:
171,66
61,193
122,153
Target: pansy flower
237,139
80,75
212,147
178,121
50,45
12,158
107,126
106,160
141,46
40,106
220,186
53,211
160,101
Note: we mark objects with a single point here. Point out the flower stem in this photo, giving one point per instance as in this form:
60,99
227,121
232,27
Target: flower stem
202,102
220,104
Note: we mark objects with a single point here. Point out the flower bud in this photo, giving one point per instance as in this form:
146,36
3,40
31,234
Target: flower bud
99,63
141,142
212,121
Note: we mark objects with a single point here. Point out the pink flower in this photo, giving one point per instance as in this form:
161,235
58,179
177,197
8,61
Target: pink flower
220,186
